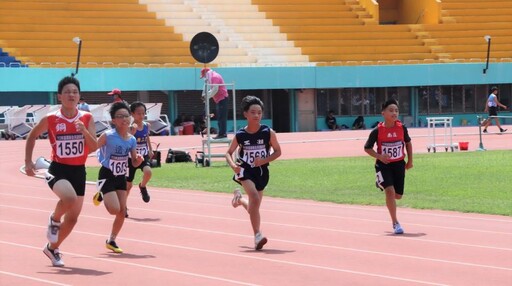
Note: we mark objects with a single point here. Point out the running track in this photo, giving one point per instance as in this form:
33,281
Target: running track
196,238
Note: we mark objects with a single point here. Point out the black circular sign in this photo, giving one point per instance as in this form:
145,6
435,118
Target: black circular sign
204,47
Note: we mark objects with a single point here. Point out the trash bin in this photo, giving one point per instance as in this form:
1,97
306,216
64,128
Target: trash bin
188,128
463,146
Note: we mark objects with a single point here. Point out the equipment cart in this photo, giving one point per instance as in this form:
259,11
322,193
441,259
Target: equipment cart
446,124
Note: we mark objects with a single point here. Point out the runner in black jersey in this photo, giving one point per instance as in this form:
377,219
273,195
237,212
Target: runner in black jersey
393,146
257,146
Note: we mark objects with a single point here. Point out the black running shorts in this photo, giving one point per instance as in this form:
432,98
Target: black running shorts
75,175
392,174
258,175
493,111
132,169
107,182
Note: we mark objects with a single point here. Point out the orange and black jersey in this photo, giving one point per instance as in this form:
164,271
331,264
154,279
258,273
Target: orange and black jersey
68,144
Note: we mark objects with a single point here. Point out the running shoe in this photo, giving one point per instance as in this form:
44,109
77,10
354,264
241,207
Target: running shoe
485,131
52,232
397,228
503,130
97,199
144,193
237,195
113,246
126,213
54,256
259,241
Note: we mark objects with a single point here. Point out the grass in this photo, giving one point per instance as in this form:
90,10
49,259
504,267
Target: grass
478,182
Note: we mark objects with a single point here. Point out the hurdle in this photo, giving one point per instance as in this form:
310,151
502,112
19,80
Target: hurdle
480,119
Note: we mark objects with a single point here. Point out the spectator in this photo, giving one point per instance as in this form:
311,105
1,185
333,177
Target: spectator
82,105
359,123
219,94
492,106
116,93
330,120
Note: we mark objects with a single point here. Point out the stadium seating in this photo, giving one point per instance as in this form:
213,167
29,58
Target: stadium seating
151,33
342,31
36,31
245,35
460,36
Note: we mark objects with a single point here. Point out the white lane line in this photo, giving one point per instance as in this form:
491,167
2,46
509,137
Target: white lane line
468,216
196,275
306,265
287,242
31,278
283,225
378,209
309,214
318,204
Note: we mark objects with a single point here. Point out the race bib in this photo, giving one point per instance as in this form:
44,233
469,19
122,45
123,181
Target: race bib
70,148
142,149
118,165
395,150
251,155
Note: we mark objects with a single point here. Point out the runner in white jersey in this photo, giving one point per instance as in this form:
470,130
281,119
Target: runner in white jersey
72,136
255,143
491,105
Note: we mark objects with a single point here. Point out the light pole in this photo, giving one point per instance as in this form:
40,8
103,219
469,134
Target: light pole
488,39
77,41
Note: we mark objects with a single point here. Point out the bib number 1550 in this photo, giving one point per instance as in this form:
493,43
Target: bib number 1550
70,149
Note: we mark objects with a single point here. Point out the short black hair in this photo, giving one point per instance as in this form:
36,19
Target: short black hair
388,103
136,104
67,80
250,100
494,88
117,106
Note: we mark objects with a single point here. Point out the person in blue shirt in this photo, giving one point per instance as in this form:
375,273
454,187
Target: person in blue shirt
115,146
257,146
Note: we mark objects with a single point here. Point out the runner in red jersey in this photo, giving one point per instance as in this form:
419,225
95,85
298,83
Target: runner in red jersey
72,136
393,142
67,141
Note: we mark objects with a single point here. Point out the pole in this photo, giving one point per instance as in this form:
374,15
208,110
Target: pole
488,38
78,57
479,121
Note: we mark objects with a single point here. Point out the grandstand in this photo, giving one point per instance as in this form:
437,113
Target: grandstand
329,54
250,33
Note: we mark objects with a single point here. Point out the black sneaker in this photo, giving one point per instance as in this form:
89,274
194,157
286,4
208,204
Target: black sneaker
144,194
220,136
485,131
503,130
54,256
97,198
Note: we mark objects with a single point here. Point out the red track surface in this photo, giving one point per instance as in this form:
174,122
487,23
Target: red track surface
196,238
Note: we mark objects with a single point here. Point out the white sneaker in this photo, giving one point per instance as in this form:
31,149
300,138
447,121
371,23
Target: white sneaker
237,195
259,241
52,232
54,256
397,228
